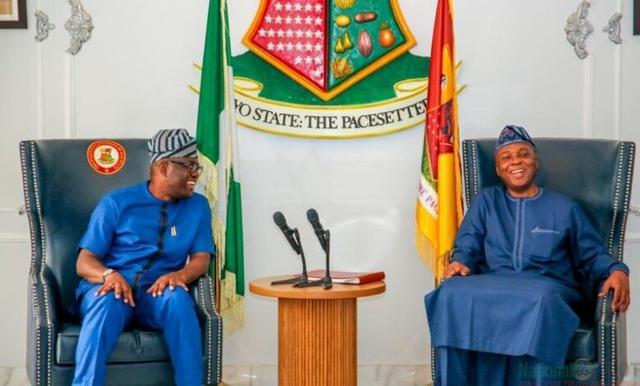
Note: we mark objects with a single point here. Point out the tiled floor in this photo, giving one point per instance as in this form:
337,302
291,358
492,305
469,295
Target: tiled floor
266,375
368,375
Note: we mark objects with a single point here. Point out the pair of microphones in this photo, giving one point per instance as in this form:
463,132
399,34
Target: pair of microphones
293,237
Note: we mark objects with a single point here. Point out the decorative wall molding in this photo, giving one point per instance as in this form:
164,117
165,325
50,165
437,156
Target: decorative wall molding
70,115
8,237
79,26
617,92
588,99
613,28
617,81
39,95
12,209
632,238
578,29
43,26
13,226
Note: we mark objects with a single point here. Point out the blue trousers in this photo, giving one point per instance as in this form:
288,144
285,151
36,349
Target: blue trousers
458,367
104,318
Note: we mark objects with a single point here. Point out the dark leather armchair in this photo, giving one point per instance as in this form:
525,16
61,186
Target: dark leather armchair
597,174
61,190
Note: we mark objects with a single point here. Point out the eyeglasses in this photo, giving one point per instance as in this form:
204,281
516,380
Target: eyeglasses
191,166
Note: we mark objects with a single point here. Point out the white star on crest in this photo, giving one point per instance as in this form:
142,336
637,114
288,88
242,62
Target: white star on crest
280,33
262,32
318,47
278,6
289,33
270,46
278,20
308,46
308,33
318,8
287,7
268,18
299,46
308,8
298,7
271,33
280,46
318,34
318,21
299,33
288,20
289,46
298,20
308,60
317,60
308,20
297,60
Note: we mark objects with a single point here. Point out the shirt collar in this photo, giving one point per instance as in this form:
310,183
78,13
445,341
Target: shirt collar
536,196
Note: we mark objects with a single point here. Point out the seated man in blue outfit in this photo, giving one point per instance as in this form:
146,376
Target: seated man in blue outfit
511,298
144,244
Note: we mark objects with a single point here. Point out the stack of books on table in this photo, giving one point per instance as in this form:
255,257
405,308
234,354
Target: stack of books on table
343,277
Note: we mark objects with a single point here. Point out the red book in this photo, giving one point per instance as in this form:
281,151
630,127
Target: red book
343,277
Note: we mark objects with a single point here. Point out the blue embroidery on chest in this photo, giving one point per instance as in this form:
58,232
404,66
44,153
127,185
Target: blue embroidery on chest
537,229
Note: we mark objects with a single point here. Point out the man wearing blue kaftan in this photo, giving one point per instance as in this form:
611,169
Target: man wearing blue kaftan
144,244
516,300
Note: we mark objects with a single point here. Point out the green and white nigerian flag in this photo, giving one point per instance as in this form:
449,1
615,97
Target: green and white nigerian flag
217,152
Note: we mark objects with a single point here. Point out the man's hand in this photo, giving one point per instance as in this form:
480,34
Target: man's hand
196,267
171,279
119,285
618,281
456,268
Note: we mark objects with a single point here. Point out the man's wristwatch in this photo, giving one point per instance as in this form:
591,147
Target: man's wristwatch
106,273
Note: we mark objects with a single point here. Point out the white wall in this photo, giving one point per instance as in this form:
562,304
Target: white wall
131,79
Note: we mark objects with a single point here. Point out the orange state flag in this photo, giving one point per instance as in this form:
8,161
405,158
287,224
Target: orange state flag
439,206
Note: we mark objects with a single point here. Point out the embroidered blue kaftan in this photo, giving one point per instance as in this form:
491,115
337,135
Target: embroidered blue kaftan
523,295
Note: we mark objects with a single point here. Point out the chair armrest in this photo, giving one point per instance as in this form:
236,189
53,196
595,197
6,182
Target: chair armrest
203,293
43,321
611,338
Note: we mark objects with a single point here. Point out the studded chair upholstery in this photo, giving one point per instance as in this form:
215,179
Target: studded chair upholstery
61,190
597,174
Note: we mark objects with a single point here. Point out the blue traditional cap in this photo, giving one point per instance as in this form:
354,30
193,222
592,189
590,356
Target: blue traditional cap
514,134
172,143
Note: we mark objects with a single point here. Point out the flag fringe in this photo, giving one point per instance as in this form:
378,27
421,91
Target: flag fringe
230,305
425,250
429,256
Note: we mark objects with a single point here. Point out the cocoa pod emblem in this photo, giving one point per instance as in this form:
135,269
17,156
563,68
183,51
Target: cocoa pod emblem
364,43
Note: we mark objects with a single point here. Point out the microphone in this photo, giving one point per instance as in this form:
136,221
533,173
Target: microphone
293,237
281,222
324,237
313,218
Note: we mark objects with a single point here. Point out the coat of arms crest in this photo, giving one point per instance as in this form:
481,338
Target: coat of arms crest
328,45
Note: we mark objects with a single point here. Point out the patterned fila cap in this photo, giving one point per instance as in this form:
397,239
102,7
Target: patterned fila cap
514,134
171,143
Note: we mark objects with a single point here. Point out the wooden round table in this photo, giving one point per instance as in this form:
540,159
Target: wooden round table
317,331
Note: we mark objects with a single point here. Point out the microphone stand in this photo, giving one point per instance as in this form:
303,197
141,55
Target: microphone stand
326,280
303,278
